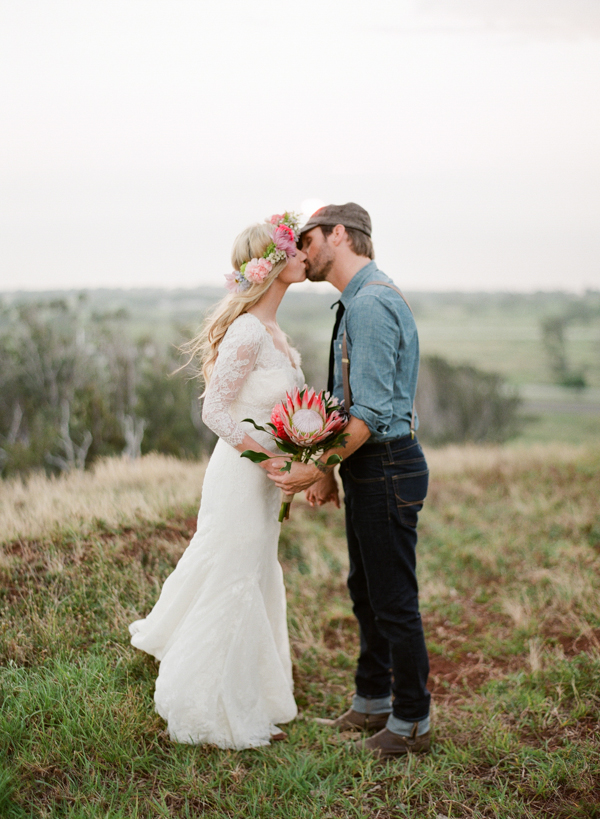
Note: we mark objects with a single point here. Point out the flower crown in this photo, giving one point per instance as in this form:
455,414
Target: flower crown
283,245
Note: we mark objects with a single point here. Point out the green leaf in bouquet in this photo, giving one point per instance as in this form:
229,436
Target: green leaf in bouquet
285,447
286,467
333,460
254,424
339,440
255,457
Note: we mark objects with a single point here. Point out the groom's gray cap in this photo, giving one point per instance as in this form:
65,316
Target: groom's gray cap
349,215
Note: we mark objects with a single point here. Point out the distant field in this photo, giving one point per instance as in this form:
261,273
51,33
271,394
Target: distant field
515,350
499,332
510,581
494,331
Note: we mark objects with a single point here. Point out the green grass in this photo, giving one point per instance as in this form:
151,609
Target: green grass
510,579
568,427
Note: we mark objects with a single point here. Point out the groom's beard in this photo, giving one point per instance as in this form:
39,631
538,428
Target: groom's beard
318,269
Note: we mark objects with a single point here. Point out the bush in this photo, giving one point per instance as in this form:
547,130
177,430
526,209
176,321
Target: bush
459,403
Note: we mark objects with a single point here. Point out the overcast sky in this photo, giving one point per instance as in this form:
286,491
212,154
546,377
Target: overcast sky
138,137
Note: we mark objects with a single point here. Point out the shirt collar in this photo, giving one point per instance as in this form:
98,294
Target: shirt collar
356,282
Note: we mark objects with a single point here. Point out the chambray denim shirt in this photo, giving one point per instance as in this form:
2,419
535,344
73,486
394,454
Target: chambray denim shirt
383,348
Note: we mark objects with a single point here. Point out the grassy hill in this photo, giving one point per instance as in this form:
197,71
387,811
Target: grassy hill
510,580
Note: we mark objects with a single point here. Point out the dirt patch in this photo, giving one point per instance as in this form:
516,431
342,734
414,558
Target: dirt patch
135,541
451,679
582,644
458,671
27,550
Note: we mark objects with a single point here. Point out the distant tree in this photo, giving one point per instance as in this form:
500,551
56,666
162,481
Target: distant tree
45,369
457,404
553,338
168,399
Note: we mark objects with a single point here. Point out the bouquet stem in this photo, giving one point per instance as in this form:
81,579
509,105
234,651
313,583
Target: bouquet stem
286,502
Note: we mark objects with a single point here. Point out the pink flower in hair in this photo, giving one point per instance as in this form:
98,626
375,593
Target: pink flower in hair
276,218
257,270
285,240
231,283
235,282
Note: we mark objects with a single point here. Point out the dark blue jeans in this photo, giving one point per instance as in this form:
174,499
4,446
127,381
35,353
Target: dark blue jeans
385,486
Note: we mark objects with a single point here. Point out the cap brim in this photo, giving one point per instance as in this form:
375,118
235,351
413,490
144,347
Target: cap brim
310,225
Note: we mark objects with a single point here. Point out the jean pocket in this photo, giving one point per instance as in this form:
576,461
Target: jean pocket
365,469
410,491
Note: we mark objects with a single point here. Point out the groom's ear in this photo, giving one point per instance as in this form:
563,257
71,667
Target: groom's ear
337,235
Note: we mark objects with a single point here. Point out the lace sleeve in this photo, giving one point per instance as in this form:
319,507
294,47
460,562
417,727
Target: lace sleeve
237,356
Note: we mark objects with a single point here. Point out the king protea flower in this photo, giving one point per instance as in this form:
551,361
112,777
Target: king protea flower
304,426
304,418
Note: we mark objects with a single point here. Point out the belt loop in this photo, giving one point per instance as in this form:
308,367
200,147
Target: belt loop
388,449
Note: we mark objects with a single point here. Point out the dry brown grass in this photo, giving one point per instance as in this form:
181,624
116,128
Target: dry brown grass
116,491
455,459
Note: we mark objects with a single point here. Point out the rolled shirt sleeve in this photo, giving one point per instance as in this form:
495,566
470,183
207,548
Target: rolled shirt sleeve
374,338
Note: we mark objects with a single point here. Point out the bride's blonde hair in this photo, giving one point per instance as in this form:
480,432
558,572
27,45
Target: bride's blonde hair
203,349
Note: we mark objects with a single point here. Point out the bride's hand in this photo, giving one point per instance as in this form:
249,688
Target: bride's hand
300,477
274,465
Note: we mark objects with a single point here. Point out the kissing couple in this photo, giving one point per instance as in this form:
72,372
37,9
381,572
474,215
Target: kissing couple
219,626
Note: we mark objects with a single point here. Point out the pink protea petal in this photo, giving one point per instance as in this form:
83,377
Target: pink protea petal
319,406
277,419
307,399
302,418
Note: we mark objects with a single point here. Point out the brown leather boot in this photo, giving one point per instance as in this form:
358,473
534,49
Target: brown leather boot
387,745
354,721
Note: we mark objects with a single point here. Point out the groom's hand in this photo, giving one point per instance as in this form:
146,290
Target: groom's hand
300,477
323,491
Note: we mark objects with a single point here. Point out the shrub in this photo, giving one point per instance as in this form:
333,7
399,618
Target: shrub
459,403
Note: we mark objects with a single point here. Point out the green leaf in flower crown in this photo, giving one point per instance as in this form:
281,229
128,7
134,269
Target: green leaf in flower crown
255,457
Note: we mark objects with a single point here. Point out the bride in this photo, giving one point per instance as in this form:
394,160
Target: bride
219,626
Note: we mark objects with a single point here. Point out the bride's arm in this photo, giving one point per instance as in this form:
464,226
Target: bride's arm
235,361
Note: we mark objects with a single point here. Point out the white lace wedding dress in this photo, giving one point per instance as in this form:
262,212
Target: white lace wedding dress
219,627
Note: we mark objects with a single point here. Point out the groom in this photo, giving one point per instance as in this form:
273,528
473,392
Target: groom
385,480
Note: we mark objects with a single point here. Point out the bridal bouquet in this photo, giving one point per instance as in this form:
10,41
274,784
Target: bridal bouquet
305,425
